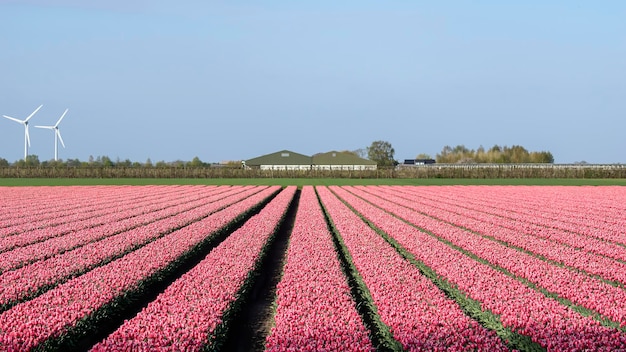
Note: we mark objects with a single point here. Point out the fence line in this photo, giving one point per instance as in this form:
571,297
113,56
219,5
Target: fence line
492,171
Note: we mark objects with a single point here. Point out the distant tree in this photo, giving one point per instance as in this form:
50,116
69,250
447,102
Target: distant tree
105,161
497,154
195,163
73,163
481,155
541,157
148,163
4,162
53,163
382,153
32,160
423,156
496,149
161,164
446,156
125,163
519,154
361,153
178,164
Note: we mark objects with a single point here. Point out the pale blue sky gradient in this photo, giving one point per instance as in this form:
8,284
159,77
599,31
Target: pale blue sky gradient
231,80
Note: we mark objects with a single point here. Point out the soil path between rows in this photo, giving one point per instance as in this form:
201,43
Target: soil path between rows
250,329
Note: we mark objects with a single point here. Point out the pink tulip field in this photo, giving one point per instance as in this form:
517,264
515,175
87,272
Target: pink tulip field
346,268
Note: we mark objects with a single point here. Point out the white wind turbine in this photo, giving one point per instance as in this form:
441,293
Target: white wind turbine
57,135
26,135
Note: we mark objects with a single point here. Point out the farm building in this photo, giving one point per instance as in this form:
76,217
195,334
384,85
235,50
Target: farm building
288,160
282,160
418,161
341,161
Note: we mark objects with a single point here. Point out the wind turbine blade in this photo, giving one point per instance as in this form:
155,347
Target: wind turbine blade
13,118
34,112
62,116
46,127
27,135
60,138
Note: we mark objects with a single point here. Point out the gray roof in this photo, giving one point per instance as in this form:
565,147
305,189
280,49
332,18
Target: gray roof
283,157
340,158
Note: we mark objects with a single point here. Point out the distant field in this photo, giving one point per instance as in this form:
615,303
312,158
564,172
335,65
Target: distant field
303,181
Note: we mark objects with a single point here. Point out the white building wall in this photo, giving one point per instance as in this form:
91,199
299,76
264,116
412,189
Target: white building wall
344,167
285,167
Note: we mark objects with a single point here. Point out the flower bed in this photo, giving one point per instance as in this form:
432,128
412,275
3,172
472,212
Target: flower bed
189,311
519,307
36,278
314,308
575,286
419,315
121,222
74,307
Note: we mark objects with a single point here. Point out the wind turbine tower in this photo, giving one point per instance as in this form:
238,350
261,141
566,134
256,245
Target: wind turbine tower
25,123
57,135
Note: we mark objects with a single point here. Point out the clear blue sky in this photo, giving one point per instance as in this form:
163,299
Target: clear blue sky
231,80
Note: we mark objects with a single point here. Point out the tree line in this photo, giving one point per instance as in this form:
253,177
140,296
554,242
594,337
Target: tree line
383,153
497,155
32,161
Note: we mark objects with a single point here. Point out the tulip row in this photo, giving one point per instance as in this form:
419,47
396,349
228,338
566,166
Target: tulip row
43,202
579,211
577,287
45,212
602,234
519,307
599,204
594,207
41,215
127,211
56,245
512,233
33,279
419,315
315,311
73,308
187,314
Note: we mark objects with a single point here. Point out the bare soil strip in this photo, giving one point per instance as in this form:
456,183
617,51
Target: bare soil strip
252,325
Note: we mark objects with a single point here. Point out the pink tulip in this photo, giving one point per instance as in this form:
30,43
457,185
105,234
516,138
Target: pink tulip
520,307
51,313
192,307
419,315
26,280
315,311
567,241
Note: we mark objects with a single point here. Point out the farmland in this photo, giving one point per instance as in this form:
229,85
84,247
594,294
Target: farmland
326,267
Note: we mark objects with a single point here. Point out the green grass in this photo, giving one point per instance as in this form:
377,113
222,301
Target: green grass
301,181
